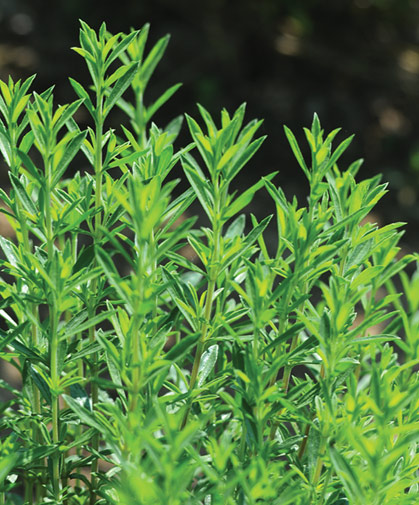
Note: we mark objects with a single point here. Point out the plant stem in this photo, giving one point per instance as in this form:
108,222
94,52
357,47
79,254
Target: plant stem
200,346
55,401
140,120
319,462
54,341
24,239
98,167
201,343
136,375
213,274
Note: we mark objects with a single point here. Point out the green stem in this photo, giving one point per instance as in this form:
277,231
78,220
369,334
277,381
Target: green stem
319,462
201,346
28,494
98,167
136,374
204,331
288,368
55,402
325,486
308,426
54,343
146,263
95,396
300,263
24,239
140,120
213,274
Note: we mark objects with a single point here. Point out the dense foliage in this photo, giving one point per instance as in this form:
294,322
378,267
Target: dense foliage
166,363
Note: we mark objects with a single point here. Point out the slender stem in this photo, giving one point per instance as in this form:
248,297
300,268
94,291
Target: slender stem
28,490
288,368
55,402
319,462
304,442
204,330
213,274
140,119
142,260
299,262
308,426
200,347
98,167
136,374
54,343
24,239
325,486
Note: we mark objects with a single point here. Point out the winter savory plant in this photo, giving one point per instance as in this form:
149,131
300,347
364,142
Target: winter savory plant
231,375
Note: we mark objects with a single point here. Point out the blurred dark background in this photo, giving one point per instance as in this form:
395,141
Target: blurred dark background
354,62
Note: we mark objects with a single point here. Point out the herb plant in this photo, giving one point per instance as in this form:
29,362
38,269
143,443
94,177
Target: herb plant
234,374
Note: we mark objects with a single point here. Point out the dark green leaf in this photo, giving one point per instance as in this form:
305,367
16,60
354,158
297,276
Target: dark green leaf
184,345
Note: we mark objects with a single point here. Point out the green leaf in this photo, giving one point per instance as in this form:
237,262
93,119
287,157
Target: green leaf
66,112
111,273
27,141
28,456
313,446
155,106
120,86
184,345
236,228
339,151
347,475
296,150
242,158
245,198
257,230
41,384
173,128
358,254
374,339
121,46
84,259
29,165
27,202
200,185
80,395
86,147
10,250
84,95
5,147
71,330
127,160
71,149
152,60
208,360
9,337
290,332
7,463
85,415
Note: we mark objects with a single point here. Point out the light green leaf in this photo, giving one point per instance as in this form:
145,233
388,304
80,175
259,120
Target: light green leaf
296,150
70,150
208,360
153,58
120,86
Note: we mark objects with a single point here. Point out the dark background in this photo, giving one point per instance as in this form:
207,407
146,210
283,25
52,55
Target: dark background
354,62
